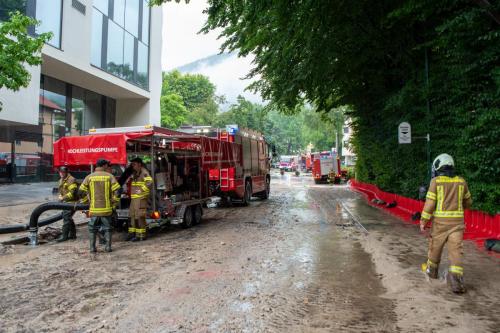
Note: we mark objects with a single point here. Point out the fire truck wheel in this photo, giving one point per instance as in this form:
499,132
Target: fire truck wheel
264,195
248,193
188,218
197,213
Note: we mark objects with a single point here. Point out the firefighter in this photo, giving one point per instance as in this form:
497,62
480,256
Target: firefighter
141,183
100,188
446,199
68,189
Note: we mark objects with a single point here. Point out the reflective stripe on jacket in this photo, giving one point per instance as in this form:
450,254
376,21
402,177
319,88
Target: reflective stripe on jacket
141,184
100,188
68,188
446,199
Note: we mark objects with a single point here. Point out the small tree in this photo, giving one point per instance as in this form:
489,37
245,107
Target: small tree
18,48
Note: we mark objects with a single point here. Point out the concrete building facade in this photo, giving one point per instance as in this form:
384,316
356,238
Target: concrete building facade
347,152
102,68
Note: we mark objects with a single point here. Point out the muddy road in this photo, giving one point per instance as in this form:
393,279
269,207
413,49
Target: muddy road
312,258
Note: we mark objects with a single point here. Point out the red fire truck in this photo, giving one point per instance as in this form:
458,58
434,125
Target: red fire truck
182,165
251,176
326,167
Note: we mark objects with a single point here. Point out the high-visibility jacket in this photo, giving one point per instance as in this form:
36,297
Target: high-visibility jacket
100,189
141,183
68,188
446,200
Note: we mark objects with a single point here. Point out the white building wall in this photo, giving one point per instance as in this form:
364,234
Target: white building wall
155,71
22,106
71,63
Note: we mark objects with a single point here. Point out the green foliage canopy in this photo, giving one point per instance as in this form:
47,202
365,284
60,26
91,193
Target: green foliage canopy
17,49
371,55
197,94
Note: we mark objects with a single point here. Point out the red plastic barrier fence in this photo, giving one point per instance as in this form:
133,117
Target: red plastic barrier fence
478,225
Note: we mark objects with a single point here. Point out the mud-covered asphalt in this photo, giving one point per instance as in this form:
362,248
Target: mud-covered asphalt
312,258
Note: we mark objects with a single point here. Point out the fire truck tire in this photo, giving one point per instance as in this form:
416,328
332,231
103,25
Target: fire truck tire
187,222
264,195
248,193
316,181
197,214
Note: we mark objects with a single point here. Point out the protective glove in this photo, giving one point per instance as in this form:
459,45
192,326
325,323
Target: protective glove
423,225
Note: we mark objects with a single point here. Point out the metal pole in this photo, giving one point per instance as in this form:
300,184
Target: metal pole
153,190
428,120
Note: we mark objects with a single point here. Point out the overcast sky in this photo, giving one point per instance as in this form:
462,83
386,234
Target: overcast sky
182,45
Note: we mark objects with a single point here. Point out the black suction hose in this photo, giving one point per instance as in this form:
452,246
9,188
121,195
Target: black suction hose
34,223
8,229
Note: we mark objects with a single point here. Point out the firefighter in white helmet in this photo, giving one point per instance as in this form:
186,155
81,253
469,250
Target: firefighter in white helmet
446,199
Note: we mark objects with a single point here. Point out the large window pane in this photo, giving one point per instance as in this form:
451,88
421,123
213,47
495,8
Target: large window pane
119,12
97,20
102,5
48,12
145,22
52,111
77,110
110,112
93,110
128,57
132,17
7,6
115,48
142,65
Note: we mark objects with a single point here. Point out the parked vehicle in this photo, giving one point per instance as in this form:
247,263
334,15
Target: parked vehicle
326,167
251,174
288,163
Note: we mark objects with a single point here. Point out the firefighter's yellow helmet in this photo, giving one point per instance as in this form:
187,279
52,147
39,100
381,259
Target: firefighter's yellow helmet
442,161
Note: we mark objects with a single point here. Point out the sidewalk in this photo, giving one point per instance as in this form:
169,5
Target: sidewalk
17,201
19,194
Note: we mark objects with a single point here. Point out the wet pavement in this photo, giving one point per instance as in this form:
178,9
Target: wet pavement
312,258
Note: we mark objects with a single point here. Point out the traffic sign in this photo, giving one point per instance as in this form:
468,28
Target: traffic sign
404,133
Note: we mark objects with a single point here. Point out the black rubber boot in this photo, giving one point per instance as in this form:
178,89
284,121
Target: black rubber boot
130,237
456,283
92,239
72,231
64,234
102,238
107,237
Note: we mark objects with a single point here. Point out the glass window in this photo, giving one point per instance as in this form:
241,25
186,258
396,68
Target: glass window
145,22
77,110
102,5
7,6
48,12
92,111
115,49
132,17
97,20
142,65
119,12
110,112
52,111
128,57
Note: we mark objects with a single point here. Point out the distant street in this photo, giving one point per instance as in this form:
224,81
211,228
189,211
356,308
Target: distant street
313,258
